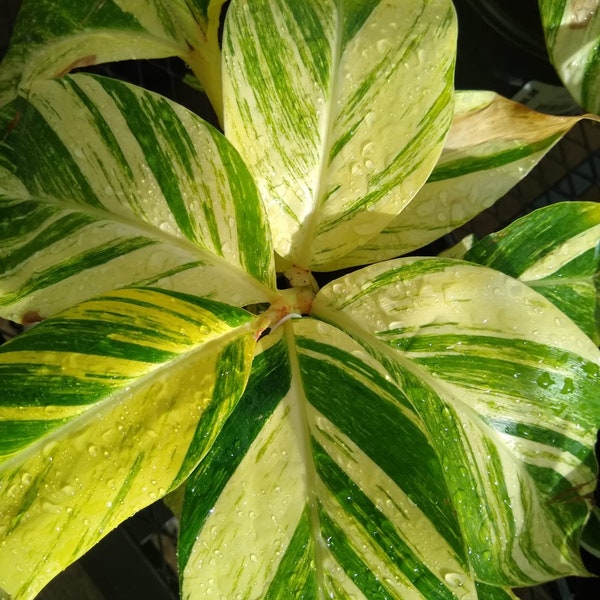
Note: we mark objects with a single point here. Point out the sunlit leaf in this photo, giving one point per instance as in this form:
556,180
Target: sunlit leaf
141,192
572,29
432,439
50,39
506,387
340,110
493,143
554,250
321,495
104,409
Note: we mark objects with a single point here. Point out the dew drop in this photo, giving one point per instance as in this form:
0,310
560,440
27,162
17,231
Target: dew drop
383,46
454,579
93,450
48,448
50,507
68,490
26,478
568,386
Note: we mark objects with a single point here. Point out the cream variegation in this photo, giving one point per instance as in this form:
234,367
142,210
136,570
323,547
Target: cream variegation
336,513
418,429
493,143
100,388
572,30
487,364
80,34
554,250
340,110
118,202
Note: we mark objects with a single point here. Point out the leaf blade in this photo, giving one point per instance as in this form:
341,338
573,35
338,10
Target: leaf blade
50,41
144,193
113,396
553,250
334,76
316,495
492,144
480,359
572,31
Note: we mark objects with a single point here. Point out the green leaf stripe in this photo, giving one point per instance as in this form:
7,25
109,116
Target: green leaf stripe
65,373
553,250
461,167
492,144
304,105
342,523
142,193
99,388
572,38
50,39
504,385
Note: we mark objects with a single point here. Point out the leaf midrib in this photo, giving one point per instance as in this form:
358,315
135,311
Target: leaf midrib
104,405
306,252
153,233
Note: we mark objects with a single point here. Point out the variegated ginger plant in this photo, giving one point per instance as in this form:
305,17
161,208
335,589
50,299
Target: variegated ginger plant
417,428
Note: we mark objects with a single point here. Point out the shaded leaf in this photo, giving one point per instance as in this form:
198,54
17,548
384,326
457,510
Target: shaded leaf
52,39
572,30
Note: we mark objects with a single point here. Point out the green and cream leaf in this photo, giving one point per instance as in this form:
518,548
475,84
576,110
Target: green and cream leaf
321,495
90,400
554,250
493,143
142,192
505,386
340,110
572,30
52,39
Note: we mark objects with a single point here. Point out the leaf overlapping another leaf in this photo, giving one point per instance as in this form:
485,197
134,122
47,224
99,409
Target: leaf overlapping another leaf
506,387
452,457
52,39
554,250
492,144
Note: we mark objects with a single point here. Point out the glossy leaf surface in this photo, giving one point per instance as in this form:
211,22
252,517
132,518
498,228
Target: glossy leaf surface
141,192
105,408
572,30
51,39
398,442
493,144
505,385
340,110
554,250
